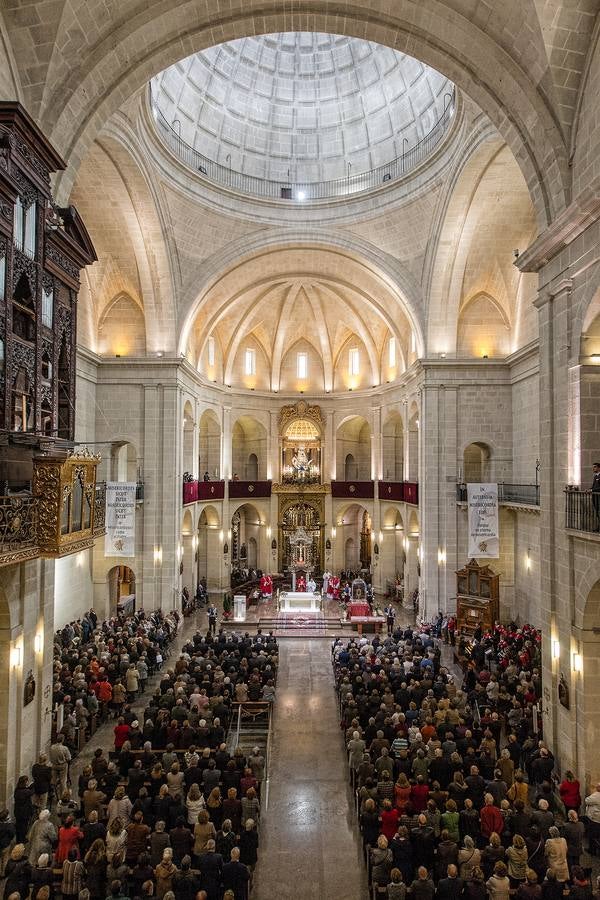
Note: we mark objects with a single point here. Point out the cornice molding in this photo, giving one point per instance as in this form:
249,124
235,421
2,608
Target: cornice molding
583,212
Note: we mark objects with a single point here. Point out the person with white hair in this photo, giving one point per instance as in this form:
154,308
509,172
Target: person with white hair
42,837
592,811
356,748
556,855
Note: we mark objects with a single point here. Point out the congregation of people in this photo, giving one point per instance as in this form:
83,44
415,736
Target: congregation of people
169,812
456,791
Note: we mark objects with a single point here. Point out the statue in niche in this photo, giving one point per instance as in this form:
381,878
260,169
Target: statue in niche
563,692
301,463
28,689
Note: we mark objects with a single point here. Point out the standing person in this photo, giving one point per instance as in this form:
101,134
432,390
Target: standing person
592,811
41,774
23,807
73,874
390,615
212,618
60,757
7,839
596,493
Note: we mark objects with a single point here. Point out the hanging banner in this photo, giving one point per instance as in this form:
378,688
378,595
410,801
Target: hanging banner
484,534
120,518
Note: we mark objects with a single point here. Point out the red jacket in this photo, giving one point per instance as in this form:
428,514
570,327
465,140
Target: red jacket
419,796
491,820
570,794
121,735
389,822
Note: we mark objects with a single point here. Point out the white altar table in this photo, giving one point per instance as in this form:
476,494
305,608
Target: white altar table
300,600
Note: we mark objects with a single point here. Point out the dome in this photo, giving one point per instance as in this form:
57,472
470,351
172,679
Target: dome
301,107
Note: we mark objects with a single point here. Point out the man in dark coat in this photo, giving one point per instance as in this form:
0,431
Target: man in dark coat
236,876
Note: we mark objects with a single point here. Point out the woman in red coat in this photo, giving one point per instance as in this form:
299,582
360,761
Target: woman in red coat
570,792
389,820
68,839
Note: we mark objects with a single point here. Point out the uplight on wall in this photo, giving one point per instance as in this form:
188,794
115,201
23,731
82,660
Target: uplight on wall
528,560
577,662
195,542
555,649
333,532
15,657
441,556
269,531
158,555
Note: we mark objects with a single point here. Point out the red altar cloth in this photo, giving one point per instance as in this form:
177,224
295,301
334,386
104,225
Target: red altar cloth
359,609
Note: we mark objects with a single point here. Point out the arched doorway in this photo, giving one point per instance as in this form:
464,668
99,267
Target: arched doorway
477,463
393,551
393,448
209,553
186,564
353,449
249,449
245,538
188,438
355,530
121,590
209,445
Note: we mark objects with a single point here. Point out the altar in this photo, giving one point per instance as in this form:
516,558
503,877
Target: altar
299,600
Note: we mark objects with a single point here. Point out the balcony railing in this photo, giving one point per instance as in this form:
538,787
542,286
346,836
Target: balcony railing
238,489
18,522
297,191
364,490
528,494
582,510
190,491
401,491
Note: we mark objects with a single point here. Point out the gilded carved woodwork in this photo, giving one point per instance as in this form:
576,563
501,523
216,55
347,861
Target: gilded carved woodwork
300,410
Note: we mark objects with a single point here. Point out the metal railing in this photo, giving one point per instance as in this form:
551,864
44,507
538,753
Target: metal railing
300,191
582,510
508,493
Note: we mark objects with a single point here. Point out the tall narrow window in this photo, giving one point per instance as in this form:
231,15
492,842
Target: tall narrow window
354,361
392,353
302,365
211,351
18,220
250,362
47,307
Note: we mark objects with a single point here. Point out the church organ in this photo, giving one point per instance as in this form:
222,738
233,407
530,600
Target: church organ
42,250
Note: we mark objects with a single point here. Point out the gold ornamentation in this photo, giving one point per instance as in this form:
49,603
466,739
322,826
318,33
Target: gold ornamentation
300,410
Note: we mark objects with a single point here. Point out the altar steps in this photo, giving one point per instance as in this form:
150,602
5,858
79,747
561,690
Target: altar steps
298,624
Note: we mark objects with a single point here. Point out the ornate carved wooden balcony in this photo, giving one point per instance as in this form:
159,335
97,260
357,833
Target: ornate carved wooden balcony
18,528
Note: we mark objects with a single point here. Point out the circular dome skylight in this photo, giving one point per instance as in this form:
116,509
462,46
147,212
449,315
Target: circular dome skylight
301,107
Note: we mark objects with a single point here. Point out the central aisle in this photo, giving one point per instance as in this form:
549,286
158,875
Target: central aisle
310,846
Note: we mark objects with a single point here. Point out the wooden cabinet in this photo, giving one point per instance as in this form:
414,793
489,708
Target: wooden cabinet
477,597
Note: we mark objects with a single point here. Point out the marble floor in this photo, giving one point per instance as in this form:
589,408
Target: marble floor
309,844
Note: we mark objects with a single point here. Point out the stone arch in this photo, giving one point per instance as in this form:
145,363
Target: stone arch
248,521
587,694
120,582
123,461
483,328
353,439
464,49
248,438
209,445
188,426
209,546
186,551
122,328
393,447
395,277
477,462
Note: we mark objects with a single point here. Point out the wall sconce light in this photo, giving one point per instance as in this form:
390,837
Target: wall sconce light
333,533
16,657
158,555
577,662
269,532
555,649
38,644
195,542
441,556
528,560
229,535
380,536
405,544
